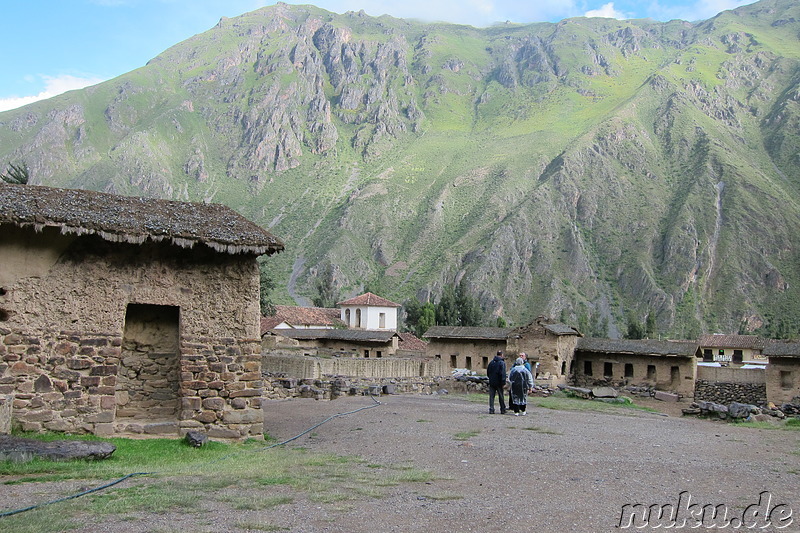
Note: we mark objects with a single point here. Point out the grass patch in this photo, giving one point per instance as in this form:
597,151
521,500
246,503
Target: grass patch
561,401
466,435
444,496
242,476
545,431
255,526
786,426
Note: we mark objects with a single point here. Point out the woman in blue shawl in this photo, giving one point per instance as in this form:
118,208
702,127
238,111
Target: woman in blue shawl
521,382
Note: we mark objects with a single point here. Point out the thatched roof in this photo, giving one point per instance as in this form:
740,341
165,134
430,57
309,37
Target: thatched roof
637,347
302,317
559,329
782,349
352,335
134,220
467,333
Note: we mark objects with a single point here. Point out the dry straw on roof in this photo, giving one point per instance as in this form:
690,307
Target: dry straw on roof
134,220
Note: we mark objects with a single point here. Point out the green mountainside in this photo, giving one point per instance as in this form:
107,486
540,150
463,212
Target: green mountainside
589,169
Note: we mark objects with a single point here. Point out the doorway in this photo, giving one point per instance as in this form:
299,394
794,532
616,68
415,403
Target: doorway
147,382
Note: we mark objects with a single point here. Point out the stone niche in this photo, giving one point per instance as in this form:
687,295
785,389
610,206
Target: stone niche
147,382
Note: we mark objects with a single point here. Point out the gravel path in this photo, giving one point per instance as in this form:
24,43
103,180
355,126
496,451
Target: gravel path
550,471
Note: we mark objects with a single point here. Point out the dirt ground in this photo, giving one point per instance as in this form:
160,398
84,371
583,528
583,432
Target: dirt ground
550,471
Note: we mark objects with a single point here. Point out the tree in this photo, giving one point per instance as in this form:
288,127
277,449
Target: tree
650,328
447,308
266,285
419,317
18,174
427,319
635,329
327,293
469,310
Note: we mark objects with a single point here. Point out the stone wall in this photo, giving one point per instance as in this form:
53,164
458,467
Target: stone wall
725,393
280,387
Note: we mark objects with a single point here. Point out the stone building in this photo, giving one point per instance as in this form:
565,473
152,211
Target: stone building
123,314
783,372
466,347
665,365
548,343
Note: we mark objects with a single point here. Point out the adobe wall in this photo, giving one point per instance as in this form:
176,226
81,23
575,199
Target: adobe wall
783,379
300,366
731,374
469,354
62,326
646,371
554,353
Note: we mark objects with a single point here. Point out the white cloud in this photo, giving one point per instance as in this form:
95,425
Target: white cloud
693,11
53,86
606,11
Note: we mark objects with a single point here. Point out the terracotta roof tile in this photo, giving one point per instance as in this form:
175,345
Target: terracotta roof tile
369,299
409,341
717,340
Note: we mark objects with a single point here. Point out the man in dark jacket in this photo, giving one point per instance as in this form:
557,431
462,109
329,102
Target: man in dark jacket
496,372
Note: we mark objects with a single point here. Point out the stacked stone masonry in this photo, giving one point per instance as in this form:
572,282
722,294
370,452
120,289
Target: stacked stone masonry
70,383
726,393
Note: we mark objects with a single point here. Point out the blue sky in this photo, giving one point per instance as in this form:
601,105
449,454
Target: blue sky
50,46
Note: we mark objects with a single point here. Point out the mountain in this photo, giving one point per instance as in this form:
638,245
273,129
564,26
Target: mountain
591,169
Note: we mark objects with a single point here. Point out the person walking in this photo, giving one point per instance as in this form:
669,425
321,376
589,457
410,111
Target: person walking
521,384
496,372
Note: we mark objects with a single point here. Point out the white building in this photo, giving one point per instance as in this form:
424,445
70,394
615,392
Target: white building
369,311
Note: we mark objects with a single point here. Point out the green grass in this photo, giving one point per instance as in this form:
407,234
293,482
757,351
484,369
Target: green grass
546,431
466,435
792,424
561,401
244,476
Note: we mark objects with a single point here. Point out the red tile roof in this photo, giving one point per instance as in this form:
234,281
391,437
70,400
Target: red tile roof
369,299
409,341
731,341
